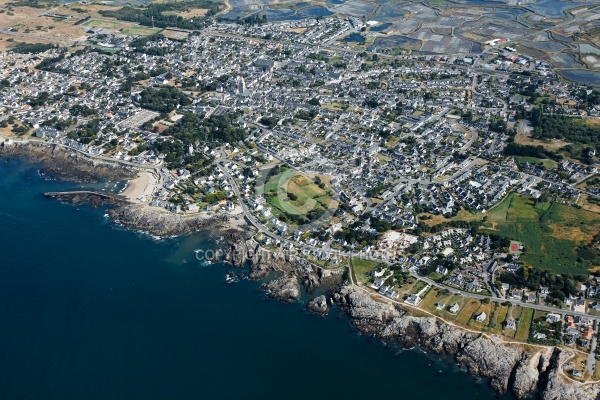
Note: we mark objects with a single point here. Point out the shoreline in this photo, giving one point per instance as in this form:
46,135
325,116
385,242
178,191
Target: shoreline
514,367
140,188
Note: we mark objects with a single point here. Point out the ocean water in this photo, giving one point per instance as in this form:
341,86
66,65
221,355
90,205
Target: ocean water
92,311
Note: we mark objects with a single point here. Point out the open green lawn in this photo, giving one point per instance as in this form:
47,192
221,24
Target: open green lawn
550,232
293,193
538,314
420,285
362,269
140,30
432,298
524,324
546,162
498,318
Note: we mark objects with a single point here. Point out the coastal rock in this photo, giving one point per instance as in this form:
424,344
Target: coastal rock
485,358
318,305
160,222
527,375
241,246
284,288
558,387
90,198
67,164
369,316
509,367
480,355
427,332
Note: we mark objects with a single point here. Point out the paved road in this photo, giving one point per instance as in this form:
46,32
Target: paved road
502,300
258,225
591,360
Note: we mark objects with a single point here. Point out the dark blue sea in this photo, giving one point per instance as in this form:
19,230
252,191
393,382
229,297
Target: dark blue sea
93,311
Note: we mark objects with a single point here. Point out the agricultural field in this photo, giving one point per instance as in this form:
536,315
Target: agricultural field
550,232
189,14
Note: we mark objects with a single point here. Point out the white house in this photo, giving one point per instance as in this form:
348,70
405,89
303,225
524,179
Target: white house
481,317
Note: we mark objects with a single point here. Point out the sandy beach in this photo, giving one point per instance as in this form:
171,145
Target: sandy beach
140,189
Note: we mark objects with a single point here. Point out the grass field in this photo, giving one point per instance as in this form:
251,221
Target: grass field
361,269
516,312
524,324
432,298
547,163
462,215
293,193
140,30
420,285
497,318
550,232
464,315
104,23
488,310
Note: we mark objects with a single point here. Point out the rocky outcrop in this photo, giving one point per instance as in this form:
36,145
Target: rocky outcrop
558,387
160,222
527,374
284,288
318,305
242,247
89,198
508,366
369,316
66,164
483,357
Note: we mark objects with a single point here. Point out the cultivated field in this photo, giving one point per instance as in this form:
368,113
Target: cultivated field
551,232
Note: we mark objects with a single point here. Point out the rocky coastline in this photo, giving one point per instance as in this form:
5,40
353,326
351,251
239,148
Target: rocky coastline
65,164
525,371
160,222
522,370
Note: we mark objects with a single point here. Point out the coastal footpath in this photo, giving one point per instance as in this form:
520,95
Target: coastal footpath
518,368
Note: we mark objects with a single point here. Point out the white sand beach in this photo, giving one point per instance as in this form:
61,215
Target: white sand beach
140,189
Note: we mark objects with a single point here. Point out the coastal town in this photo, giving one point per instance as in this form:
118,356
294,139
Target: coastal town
460,184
